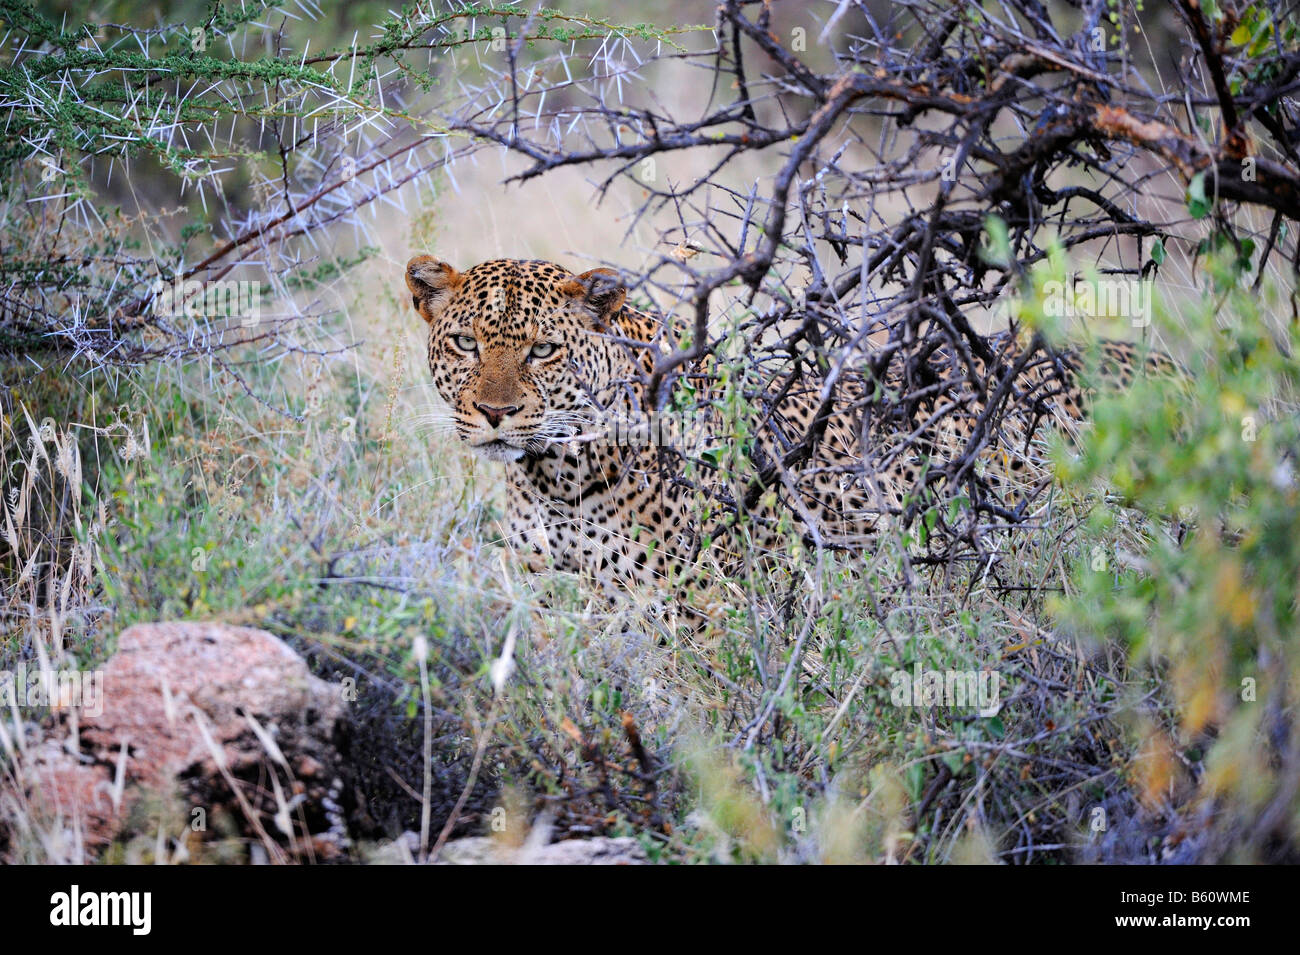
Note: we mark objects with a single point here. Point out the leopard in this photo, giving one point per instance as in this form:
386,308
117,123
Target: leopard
534,362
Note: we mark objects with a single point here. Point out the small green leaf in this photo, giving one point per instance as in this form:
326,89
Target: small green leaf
1198,204
998,249
915,777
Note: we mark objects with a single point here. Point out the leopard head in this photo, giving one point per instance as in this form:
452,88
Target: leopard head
523,352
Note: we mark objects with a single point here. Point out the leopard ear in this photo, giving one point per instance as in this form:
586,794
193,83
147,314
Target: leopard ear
602,291
432,284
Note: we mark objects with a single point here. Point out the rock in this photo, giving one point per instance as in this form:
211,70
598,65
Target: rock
226,719
600,850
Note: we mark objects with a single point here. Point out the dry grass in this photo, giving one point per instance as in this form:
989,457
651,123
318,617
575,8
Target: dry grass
767,735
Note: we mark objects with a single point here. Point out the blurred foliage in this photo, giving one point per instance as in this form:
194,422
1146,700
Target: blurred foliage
1205,600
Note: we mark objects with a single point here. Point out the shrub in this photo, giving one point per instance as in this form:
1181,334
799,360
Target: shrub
1192,565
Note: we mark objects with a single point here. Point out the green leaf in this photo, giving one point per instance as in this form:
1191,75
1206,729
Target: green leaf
955,760
1158,252
998,249
1198,203
915,778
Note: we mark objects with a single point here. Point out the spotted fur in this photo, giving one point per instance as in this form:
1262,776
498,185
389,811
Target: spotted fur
533,360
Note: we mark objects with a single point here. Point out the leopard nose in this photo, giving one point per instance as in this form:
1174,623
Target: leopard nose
497,413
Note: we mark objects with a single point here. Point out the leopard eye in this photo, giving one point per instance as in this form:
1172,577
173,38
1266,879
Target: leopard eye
542,350
465,342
